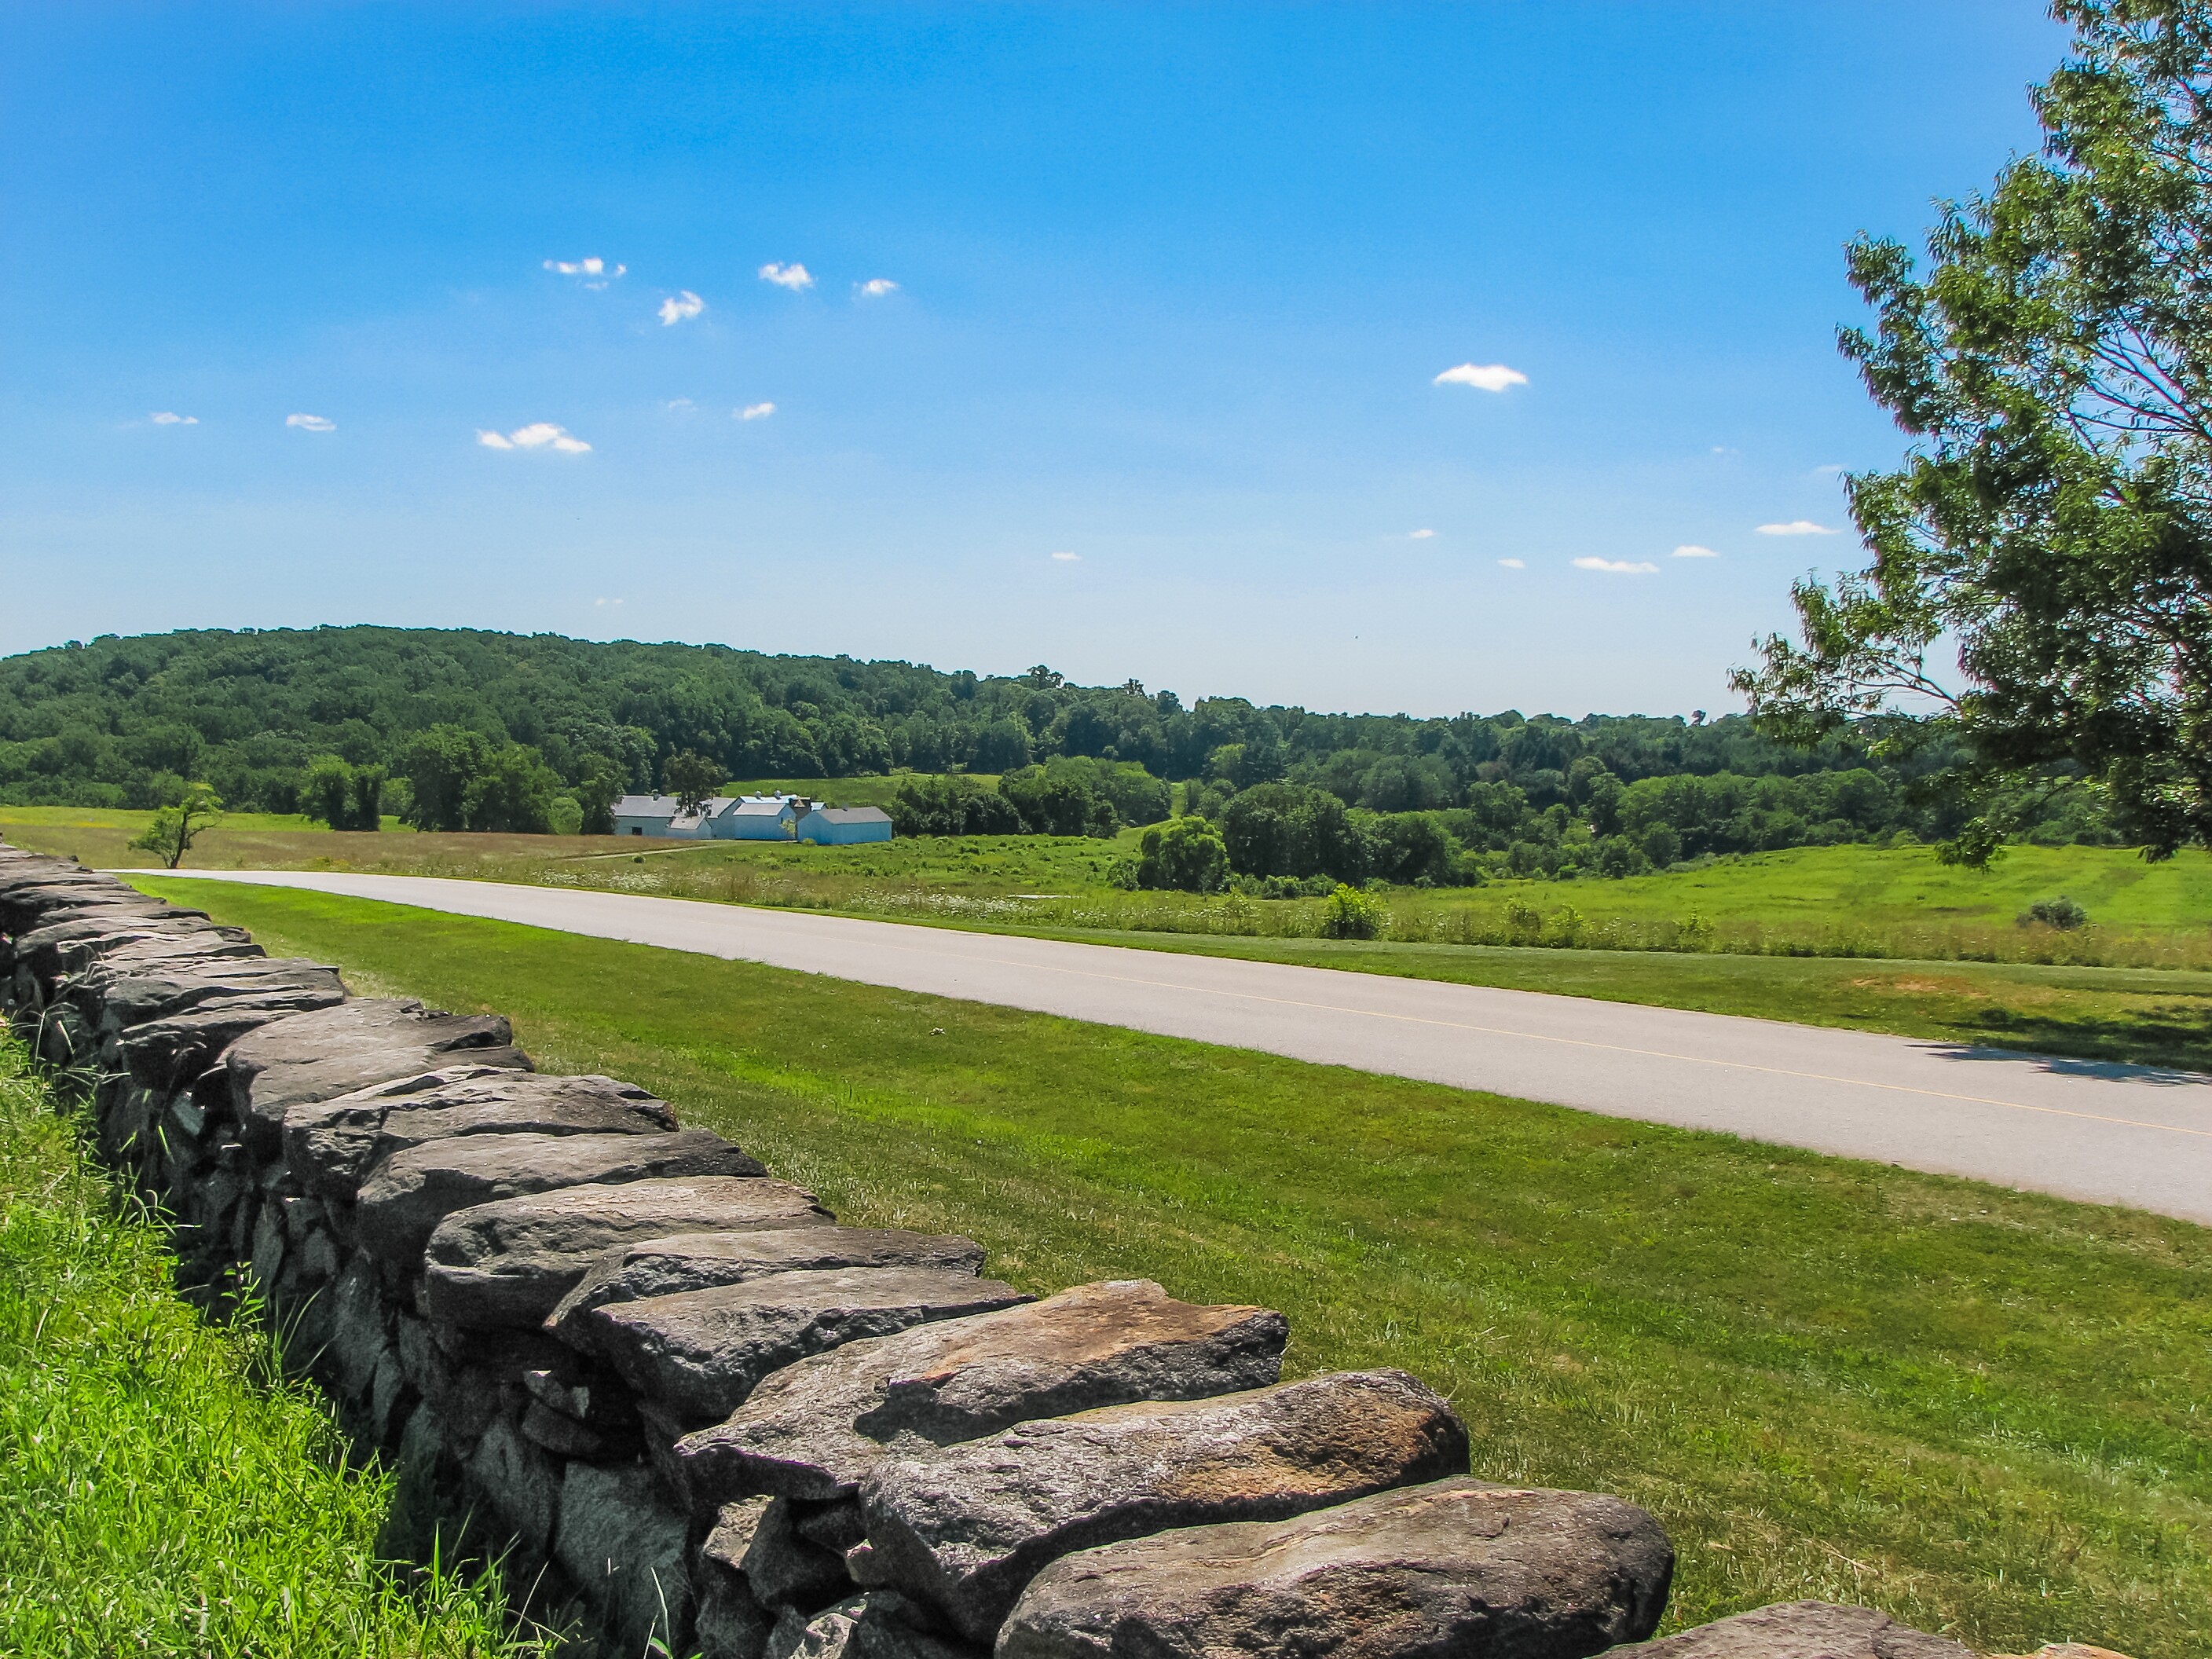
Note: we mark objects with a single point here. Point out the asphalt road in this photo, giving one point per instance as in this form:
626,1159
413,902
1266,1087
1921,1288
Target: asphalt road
2105,1133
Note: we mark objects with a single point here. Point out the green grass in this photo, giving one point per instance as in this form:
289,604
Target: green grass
1861,938
163,1490
1983,1411
839,792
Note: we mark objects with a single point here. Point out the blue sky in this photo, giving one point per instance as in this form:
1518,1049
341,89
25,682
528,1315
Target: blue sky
1155,391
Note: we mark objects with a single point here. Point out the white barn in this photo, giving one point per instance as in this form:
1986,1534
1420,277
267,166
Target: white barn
725,817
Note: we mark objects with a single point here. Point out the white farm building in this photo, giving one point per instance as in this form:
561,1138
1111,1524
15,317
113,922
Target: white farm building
750,818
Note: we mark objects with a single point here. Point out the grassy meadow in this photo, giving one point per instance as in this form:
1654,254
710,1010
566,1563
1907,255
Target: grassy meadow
1980,1410
1861,938
162,1489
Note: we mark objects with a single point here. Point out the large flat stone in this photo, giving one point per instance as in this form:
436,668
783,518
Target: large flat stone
704,1261
966,1527
332,1052
1801,1630
331,1144
510,1263
403,1201
696,1356
166,991
816,1429
1456,1567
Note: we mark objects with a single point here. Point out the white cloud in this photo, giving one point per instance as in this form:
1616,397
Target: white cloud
680,307
679,406
1795,527
1724,449
1828,469
1618,566
1691,550
1487,377
1513,564
792,276
609,604
1420,535
593,266
1069,558
170,417
875,288
311,422
754,411
538,434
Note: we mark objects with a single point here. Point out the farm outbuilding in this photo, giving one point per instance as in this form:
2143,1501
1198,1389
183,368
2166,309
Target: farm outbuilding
725,817
844,826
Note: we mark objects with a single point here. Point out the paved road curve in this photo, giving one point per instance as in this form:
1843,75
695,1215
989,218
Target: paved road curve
2105,1133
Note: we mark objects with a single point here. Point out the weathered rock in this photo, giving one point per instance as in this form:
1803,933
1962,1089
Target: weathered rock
622,1545
827,1635
967,1527
696,1355
170,990
703,1261
509,1264
334,1051
403,1201
731,1622
163,1054
1456,1566
331,1144
815,1429
520,1484
1799,1630
789,1569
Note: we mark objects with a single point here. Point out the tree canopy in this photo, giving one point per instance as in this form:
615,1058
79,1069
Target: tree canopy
2054,518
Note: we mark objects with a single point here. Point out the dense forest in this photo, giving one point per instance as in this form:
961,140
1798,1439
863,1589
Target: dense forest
461,729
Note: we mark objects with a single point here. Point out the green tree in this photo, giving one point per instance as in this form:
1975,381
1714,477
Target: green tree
1183,853
326,791
443,766
178,825
513,792
691,778
2055,517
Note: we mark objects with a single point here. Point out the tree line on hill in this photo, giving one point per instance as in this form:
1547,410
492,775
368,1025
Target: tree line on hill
463,729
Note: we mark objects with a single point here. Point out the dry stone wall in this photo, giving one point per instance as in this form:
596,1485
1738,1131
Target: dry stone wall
676,1388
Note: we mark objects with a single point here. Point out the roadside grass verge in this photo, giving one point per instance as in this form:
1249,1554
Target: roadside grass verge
1984,1411
163,1489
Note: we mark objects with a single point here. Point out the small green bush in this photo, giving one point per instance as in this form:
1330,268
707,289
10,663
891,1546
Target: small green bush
1350,913
2061,913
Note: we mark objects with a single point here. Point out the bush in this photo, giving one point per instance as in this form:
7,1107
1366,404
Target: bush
953,805
1350,913
1183,853
2061,913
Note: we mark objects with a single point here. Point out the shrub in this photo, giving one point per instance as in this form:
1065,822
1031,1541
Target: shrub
1184,853
1350,913
2061,913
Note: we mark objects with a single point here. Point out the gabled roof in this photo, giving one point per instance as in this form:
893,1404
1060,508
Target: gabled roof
852,814
759,806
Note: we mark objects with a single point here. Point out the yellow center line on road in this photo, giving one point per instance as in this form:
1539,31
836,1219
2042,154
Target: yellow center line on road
1578,1042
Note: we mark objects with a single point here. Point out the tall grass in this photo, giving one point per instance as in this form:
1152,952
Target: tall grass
164,1488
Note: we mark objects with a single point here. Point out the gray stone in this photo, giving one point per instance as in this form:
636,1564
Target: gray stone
331,1144
730,1623
895,1626
360,1336
622,1545
170,990
403,1201
815,1429
966,1527
703,1261
518,1482
1799,1630
1456,1566
827,1635
698,1354
334,1051
787,1570
510,1263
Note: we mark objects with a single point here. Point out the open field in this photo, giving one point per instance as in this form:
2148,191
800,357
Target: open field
1980,1410
876,791
2035,988
162,1492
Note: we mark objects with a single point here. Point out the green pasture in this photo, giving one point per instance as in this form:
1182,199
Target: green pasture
163,1490
1980,1410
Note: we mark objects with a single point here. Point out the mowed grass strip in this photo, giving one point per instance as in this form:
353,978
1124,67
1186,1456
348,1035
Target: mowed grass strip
1984,1411
163,1490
